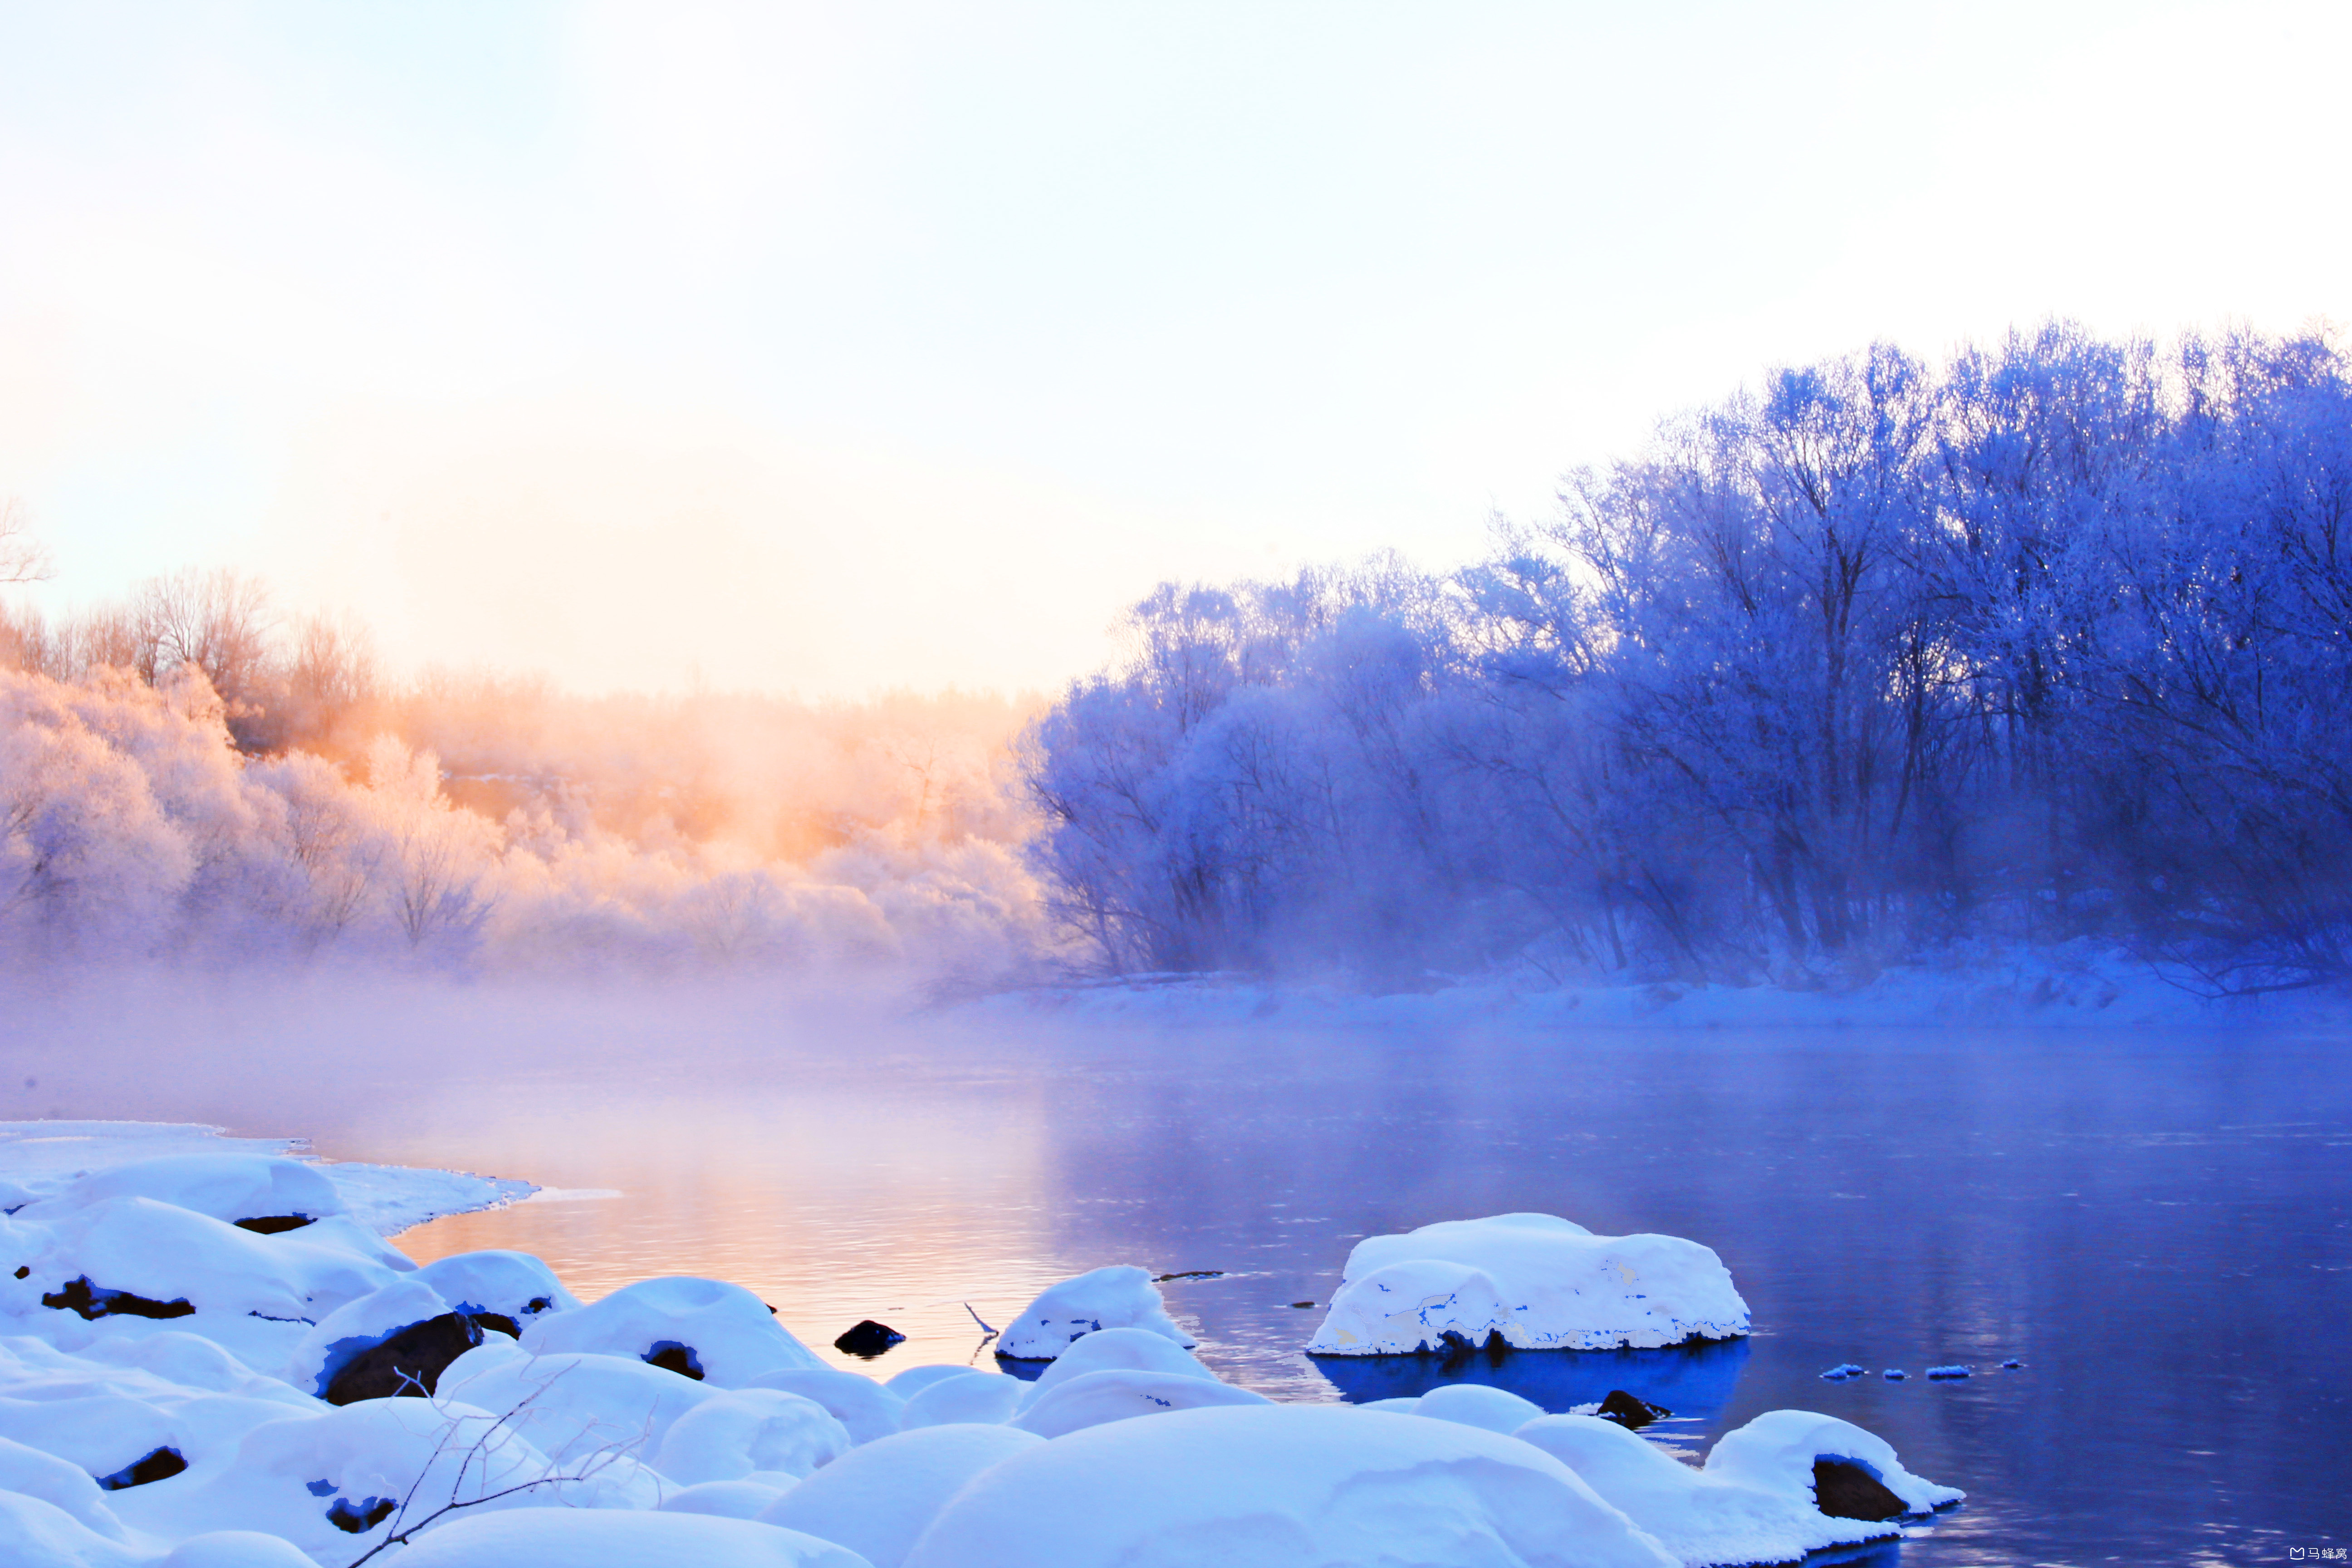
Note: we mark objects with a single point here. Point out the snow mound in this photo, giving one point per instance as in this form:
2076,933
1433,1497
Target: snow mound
570,1406
1539,1281
879,1500
754,1434
510,1285
1134,1349
40,1160
1119,1296
234,1549
1120,1394
561,1538
1477,1404
1276,1486
861,1404
706,1328
36,1534
1704,1519
1777,1453
724,1499
975,1396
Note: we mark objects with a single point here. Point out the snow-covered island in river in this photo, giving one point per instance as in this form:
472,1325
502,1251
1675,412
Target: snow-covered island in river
214,1358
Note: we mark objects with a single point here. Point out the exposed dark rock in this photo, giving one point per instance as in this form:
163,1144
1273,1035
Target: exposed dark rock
539,1304
1190,1274
868,1339
94,1302
1843,1490
272,1224
361,1517
497,1321
1630,1411
151,1467
1302,1303
408,1363
671,1356
24,1271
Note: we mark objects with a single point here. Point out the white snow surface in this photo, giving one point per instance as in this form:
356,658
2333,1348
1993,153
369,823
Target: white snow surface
1277,1486
39,1158
568,1446
1704,1517
1119,1296
1539,1281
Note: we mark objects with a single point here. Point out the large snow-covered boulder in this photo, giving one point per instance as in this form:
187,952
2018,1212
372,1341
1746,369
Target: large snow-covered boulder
1133,1349
1477,1404
1121,1394
340,1481
1119,1296
1536,1281
1704,1517
974,1396
560,1538
37,1534
1795,1453
254,1192
878,1499
500,1289
706,1328
1275,1486
863,1405
750,1434
573,1405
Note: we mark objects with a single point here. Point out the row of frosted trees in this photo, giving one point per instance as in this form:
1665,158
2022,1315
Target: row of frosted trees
2052,643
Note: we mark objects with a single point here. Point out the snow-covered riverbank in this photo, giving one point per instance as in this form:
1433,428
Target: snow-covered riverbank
200,1334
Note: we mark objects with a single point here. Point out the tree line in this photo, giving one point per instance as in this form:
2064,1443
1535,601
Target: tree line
2049,642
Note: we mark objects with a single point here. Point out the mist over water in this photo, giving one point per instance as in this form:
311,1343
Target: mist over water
2156,1223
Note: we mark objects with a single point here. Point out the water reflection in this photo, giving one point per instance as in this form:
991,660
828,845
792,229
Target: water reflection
1695,1381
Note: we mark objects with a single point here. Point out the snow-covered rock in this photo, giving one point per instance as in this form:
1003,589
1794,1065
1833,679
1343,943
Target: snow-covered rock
750,1434
1134,1349
975,1396
1539,1281
915,1379
1119,1296
1276,1486
724,1499
37,1534
867,1409
561,1538
1477,1404
1704,1518
514,1285
359,1326
570,1405
1121,1394
234,1549
1777,1453
257,1188
878,1499
713,1331
61,1485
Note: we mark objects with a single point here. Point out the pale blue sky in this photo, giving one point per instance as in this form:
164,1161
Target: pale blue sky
832,347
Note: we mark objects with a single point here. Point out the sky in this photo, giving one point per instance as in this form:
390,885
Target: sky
829,348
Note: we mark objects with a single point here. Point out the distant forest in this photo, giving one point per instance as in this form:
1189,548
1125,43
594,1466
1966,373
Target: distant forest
1880,660
2052,643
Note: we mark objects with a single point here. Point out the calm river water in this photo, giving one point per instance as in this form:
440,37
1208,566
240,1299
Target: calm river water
2158,1226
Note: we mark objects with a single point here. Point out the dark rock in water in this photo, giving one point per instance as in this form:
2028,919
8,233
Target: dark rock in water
361,1517
1843,1490
153,1467
1302,1303
272,1224
1630,1411
868,1339
1190,1274
1841,1372
408,1363
671,1356
1894,1374
1947,1374
94,1302
2013,1365
497,1321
